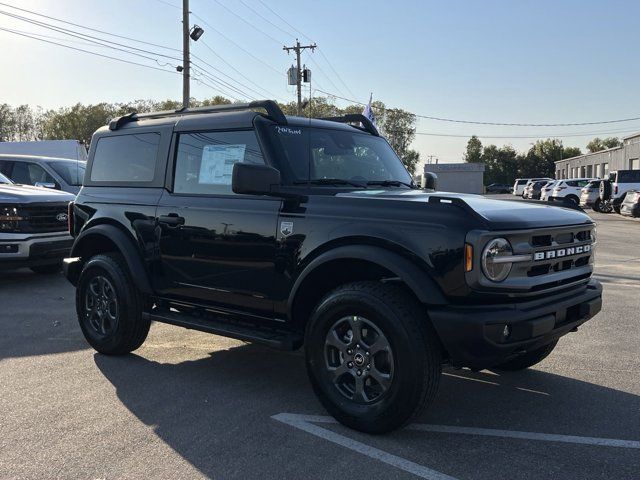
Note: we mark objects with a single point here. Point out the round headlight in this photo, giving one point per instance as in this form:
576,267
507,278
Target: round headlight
494,264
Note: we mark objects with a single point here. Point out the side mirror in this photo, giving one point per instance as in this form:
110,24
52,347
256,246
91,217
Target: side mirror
430,181
250,179
45,184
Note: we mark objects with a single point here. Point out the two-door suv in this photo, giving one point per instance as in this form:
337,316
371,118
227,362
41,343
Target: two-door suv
292,231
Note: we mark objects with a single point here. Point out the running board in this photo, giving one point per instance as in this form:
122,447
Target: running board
278,339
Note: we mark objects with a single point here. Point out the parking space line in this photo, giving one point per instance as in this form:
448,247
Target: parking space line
547,437
306,423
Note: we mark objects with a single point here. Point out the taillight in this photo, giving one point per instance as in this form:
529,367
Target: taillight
70,218
615,189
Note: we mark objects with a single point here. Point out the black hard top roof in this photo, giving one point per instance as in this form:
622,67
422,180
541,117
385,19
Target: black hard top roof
235,116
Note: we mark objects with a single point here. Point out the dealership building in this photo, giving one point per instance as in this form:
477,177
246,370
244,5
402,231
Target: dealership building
599,164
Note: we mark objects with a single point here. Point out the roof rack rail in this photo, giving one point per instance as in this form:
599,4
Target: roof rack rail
273,112
367,125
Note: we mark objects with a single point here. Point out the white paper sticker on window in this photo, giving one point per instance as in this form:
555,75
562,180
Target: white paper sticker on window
217,163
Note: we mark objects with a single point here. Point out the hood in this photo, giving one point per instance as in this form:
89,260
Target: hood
13,193
496,214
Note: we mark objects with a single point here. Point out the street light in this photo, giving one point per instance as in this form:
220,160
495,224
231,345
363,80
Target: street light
196,33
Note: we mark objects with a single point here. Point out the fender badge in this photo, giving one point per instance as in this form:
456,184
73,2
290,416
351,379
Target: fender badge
286,228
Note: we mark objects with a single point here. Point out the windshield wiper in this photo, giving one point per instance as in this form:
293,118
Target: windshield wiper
390,183
332,181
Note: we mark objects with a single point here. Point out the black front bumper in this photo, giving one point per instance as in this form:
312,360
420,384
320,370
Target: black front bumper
473,335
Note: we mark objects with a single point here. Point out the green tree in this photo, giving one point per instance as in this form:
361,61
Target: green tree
501,164
569,152
598,144
399,127
474,150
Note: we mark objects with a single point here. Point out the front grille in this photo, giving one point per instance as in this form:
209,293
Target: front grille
549,259
42,218
565,247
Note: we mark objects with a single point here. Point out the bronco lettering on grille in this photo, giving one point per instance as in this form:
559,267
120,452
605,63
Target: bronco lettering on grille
561,252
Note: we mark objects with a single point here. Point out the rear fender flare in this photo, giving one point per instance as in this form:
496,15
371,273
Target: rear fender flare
126,247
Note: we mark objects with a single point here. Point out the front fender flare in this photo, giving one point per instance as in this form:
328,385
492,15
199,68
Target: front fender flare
417,279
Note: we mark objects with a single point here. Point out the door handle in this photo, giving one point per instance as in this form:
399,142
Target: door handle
172,219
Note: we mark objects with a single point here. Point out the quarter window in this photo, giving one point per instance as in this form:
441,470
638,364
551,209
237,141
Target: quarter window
205,160
126,158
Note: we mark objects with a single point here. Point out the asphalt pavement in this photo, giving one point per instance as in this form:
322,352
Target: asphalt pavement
190,405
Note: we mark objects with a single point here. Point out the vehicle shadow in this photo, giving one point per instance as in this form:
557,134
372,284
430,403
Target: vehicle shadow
37,315
216,411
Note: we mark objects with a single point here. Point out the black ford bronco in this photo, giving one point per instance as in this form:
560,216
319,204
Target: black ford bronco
290,231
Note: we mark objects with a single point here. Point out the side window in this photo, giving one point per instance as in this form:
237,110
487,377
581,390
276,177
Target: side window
572,184
29,173
126,158
583,183
204,160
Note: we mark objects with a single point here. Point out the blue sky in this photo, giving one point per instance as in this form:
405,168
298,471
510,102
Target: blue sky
502,61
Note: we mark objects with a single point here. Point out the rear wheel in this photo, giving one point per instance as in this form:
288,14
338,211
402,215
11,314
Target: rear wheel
528,359
47,269
373,359
110,307
572,199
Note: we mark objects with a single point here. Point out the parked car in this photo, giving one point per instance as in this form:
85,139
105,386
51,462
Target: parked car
621,182
534,189
569,190
527,191
498,188
33,227
518,186
57,173
590,193
288,231
547,189
631,205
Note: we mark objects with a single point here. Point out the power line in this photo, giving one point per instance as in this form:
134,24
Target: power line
89,38
86,51
237,71
220,81
305,36
89,28
287,23
224,81
235,44
539,135
249,23
266,19
603,122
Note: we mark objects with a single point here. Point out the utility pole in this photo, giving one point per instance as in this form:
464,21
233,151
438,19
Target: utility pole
186,62
298,49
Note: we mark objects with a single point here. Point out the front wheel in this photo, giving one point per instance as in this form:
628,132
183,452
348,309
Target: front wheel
527,359
110,307
373,359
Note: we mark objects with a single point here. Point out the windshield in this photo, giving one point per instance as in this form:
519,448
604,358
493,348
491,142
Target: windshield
4,179
335,157
71,172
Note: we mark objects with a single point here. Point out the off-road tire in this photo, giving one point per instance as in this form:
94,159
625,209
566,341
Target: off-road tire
528,359
417,354
131,328
48,269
